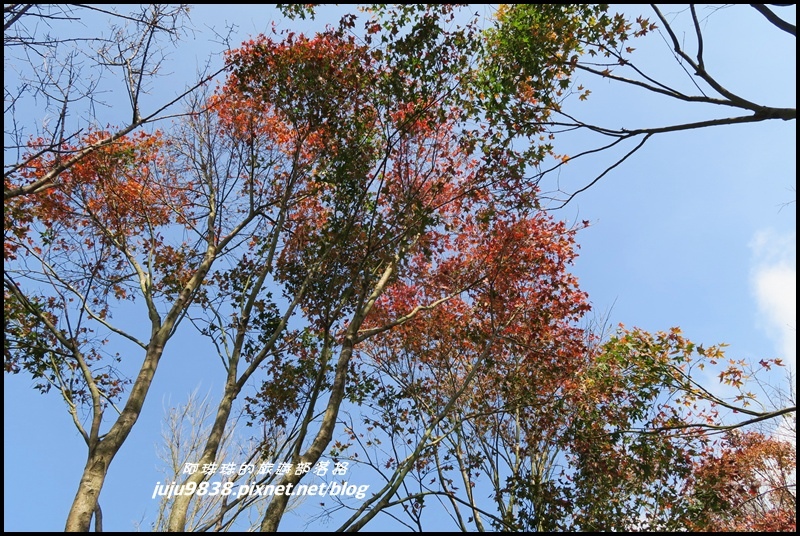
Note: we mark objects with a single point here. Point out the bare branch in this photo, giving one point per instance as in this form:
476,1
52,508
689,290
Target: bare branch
774,19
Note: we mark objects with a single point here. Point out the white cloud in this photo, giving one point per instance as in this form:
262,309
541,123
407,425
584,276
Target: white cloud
775,286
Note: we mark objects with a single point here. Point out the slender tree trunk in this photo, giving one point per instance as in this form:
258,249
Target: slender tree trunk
102,451
233,386
277,505
85,502
180,505
98,518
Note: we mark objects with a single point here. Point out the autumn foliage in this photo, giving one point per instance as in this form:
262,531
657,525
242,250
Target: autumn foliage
351,226
749,485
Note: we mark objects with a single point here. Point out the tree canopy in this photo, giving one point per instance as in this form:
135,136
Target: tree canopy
352,223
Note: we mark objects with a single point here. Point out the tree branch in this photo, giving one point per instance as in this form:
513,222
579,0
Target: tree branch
776,20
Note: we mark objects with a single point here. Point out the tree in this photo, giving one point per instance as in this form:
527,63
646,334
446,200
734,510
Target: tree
64,75
307,183
391,197
596,437
506,112
98,239
66,169
602,47
350,223
395,398
749,486
185,431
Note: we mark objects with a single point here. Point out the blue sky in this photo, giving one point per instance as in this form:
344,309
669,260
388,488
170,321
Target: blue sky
695,230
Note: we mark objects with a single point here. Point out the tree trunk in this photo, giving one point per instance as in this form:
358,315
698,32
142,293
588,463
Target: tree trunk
277,505
85,503
180,505
102,451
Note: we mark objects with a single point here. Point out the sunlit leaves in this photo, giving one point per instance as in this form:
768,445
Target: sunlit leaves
120,186
530,58
747,485
353,217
